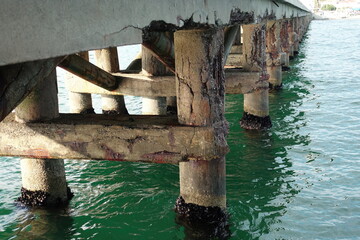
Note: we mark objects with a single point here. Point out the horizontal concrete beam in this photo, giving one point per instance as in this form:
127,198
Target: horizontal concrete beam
237,82
40,29
128,84
104,137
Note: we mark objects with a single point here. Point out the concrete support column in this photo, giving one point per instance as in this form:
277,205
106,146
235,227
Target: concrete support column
43,180
292,38
304,23
285,45
200,102
79,102
256,104
171,105
273,56
108,60
152,66
296,35
135,65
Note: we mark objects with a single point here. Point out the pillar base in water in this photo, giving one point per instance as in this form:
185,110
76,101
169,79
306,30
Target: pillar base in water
285,68
44,183
275,87
154,106
170,110
202,222
113,105
250,121
275,79
41,198
88,111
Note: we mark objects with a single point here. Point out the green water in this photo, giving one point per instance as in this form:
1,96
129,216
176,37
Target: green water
298,180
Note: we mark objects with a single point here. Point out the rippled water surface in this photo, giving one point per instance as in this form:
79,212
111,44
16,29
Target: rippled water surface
298,180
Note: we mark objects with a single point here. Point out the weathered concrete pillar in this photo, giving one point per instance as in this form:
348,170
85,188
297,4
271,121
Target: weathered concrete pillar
200,100
296,36
285,44
171,105
135,65
43,180
273,57
79,102
256,104
304,23
292,38
108,60
152,66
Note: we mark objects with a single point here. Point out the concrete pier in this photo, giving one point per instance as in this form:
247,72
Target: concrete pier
200,100
43,180
108,60
185,45
256,103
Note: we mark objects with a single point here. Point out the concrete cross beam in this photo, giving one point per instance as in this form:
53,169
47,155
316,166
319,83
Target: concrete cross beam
237,82
109,137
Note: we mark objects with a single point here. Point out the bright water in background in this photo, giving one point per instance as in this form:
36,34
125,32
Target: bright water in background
298,180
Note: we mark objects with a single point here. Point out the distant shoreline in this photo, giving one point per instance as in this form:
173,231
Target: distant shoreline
333,15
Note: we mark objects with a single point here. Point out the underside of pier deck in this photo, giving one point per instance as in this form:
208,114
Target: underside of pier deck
47,29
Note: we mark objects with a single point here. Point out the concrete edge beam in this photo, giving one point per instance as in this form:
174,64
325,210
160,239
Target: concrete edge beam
114,138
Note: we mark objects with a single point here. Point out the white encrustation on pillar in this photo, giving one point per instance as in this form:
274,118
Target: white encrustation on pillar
43,180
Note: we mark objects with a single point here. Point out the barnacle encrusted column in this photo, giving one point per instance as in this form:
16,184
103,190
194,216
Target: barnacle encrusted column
108,60
79,102
200,101
43,180
256,104
273,57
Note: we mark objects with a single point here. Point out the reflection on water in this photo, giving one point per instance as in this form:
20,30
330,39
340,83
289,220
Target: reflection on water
36,224
260,181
